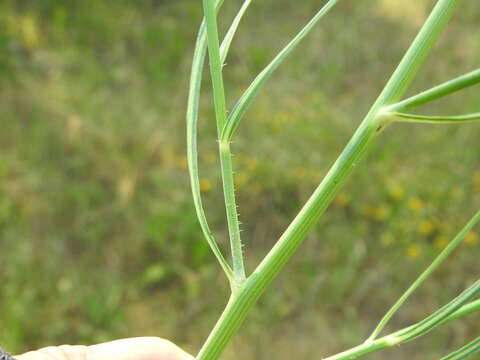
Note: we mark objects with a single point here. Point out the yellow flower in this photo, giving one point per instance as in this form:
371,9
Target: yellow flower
397,192
441,242
125,187
205,185
426,227
29,29
413,251
415,204
380,212
342,199
472,238
368,211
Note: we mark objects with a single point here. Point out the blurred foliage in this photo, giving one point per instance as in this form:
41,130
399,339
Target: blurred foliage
99,237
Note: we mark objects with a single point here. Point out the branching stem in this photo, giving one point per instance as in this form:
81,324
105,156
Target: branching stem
447,88
433,266
225,155
242,301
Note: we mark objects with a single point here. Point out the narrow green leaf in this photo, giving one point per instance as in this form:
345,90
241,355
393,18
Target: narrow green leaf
439,91
246,99
192,125
468,309
392,340
225,155
192,153
415,118
439,316
433,266
465,352
227,40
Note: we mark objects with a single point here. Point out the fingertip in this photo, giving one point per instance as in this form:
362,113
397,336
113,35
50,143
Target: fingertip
143,348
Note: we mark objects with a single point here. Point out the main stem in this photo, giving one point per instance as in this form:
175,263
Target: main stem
243,300
224,149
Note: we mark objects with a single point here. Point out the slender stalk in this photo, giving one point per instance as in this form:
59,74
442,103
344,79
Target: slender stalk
215,62
192,121
192,153
411,332
437,317
242,105
459,83
463,311
466,351
232,216
227,40
225,155
433,266
243,300
415,118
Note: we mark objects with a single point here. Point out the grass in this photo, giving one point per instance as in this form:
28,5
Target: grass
104,165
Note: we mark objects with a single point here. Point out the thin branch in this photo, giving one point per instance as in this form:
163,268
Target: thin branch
268,269
192,152
433,266
415,118
224,149
240,108
447,88
227,41
438,318
465,352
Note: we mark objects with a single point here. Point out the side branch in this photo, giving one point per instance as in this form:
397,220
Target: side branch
242,105
415,118
433,266
447,88
466,351
225,156
243,300
440,317
192,151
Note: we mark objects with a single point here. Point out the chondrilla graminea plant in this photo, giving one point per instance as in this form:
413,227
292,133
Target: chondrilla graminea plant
389,108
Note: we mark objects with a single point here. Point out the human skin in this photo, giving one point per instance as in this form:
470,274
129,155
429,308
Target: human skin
142,348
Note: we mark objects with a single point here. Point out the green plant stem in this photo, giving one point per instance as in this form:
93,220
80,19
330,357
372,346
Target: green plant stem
466,351
433,266
231,206
423,119
440,317
192,153
389,340
243,300
438,91
227,41
463,311
436,318
224,149
242,105
192,122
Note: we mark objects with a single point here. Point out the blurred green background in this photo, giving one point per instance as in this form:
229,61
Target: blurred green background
98,235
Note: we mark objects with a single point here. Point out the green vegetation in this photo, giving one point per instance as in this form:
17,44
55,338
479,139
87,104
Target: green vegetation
247,290
96,216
